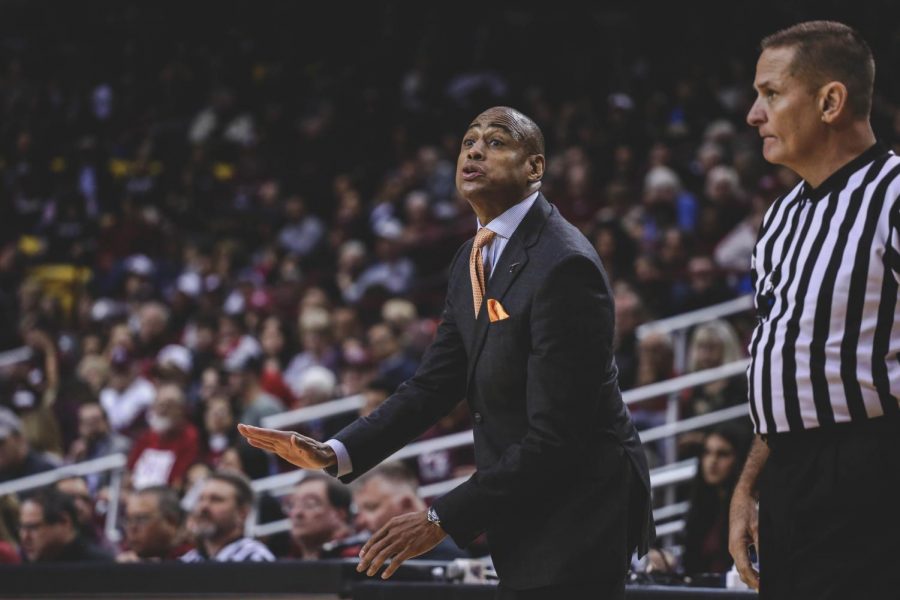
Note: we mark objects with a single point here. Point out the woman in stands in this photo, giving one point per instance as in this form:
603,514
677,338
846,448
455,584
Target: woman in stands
706,532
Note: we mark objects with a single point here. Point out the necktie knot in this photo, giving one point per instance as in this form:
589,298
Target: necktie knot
483,237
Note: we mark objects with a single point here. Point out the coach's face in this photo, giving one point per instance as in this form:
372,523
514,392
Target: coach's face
785,111
494,165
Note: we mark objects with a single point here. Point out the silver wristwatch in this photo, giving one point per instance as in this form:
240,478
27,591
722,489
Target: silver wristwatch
433,517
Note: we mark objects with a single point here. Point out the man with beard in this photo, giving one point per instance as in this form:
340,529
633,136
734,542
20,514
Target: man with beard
218,522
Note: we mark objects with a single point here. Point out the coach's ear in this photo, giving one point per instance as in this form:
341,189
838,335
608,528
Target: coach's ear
832,101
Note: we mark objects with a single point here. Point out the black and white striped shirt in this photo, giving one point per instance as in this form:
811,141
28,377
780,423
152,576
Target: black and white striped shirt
826,269
241,550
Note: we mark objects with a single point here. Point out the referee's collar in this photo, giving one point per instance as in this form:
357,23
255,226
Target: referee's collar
839,178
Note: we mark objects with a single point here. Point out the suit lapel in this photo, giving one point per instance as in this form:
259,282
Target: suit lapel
512,262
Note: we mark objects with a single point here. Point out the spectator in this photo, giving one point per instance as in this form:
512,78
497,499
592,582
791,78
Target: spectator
77,489
706,530
163,453
317,341
706,286
9,516
17,457
629,315
217,522
152,334
273,339
713,344
351,261
394,366
219,429
49,532
36,387
656,356
93,370
154,526
391,274
174,363
376,392
254,403
302,233
319,510
389,491
316,385
127,396
95,440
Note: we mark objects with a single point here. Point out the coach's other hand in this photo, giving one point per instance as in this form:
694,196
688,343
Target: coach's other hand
401,538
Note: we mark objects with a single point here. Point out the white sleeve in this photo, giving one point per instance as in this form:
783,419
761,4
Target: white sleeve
344,466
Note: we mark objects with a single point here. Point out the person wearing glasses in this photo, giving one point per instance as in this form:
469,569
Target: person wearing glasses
48,531
319,510
154,526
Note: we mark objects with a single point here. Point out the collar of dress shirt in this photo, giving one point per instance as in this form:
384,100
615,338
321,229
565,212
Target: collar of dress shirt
506,224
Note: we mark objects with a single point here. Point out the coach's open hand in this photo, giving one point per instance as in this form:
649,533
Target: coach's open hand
297,449
402,538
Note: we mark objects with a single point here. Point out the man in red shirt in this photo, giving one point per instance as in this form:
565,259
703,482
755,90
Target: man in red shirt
163,453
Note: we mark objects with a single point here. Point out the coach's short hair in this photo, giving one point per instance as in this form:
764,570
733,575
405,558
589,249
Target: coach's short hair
830,51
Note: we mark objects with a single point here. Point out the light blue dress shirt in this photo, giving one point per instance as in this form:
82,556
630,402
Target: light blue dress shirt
504,226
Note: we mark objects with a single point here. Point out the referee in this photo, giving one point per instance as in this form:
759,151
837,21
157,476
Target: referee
824,379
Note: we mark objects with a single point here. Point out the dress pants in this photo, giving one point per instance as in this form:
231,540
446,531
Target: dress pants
829,514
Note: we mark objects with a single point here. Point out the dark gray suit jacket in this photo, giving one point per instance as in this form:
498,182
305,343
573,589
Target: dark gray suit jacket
562,487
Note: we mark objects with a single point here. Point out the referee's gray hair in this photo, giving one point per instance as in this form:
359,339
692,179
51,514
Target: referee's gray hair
830,51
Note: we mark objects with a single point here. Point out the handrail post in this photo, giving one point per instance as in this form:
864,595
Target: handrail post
112,510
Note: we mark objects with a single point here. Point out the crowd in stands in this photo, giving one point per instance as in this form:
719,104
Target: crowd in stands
198,232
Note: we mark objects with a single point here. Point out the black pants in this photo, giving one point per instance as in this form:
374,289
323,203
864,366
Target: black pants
829,520
577,591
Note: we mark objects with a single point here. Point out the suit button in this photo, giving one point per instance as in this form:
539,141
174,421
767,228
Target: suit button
477,416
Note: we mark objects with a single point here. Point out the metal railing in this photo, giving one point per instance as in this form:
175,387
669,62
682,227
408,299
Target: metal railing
311,413
659,477
663,477
114,463
695,317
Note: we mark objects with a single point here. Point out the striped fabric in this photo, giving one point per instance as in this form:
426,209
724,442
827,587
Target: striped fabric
244,549
826,269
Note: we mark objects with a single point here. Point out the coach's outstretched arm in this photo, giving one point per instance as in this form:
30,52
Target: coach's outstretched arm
297,449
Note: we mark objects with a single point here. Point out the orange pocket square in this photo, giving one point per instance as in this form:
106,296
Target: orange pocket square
496,312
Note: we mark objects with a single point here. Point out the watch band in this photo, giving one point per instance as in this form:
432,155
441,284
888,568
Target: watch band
433,517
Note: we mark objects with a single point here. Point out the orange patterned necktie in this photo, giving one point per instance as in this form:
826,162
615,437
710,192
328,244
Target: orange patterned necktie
476,266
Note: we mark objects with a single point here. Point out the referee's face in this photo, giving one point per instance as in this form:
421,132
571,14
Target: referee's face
785,111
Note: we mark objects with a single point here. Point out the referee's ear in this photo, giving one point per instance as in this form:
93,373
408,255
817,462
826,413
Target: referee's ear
833,101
